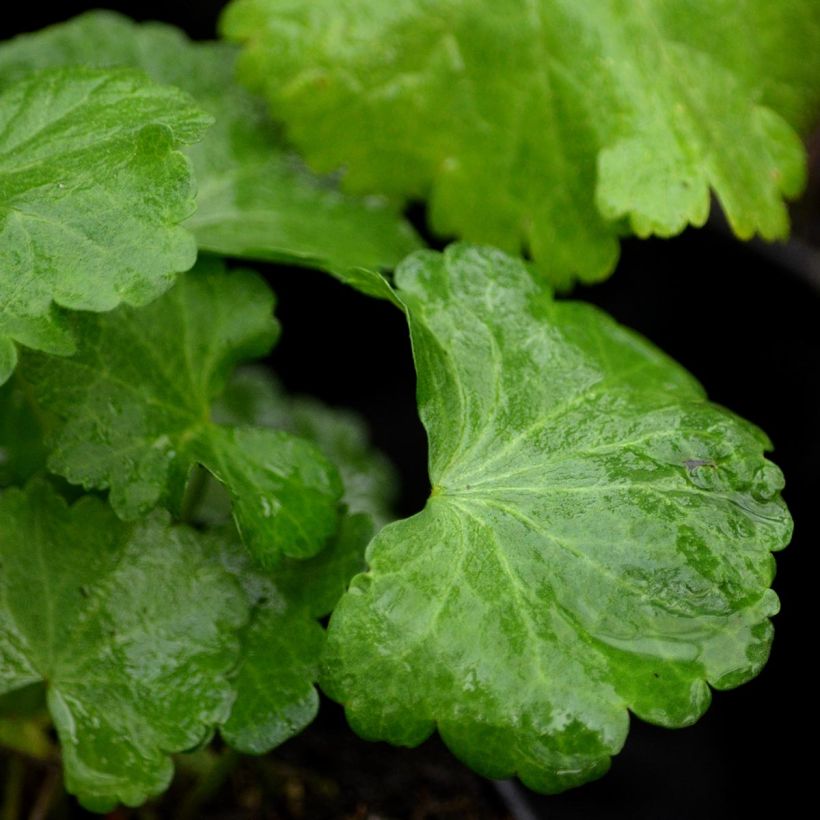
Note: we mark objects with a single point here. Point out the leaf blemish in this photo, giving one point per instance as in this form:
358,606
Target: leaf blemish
692,464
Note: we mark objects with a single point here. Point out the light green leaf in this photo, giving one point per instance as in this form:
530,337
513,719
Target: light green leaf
253,397
132,627
279,666
597,538
92,191
547,125
255,198
133,408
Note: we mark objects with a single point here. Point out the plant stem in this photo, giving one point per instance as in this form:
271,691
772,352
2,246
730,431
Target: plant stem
48,791
193,493
13,788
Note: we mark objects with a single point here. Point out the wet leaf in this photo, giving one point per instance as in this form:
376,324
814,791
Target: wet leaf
255,198
92,191
597,538
275,680
133,410
132,628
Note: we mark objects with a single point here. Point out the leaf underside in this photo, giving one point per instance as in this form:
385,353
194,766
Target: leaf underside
255,199
548,125
133,412
92,191
597,539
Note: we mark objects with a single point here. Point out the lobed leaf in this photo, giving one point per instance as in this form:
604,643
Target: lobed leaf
133,412
597,539
548,125
92,191
255,198
132,629
254,398
147,637
281,646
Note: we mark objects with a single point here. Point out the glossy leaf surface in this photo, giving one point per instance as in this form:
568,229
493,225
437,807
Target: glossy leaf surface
548,125
597,538
133,408
92,191
255,199
133,629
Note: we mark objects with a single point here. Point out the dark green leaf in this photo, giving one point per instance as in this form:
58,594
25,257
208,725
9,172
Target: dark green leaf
275,681
254,398
22,450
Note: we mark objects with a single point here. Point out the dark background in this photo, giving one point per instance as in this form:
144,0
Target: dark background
747,326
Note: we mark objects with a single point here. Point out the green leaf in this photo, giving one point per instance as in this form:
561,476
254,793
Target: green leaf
133,412
279,666
8,358
597,538
547,125
255,198
92,188
22,425
132,627
253,397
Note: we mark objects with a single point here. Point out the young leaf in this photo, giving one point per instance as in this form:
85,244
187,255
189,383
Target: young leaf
92,191
279,664
132,628
133,409
597,538
255,198
546,124
254,398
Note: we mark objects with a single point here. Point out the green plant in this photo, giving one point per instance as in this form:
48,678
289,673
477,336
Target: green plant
598,536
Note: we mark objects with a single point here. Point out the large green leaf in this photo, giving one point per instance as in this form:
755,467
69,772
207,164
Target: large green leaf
133,408
254,397
132,628
548,125
92,191
597,538
254,197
